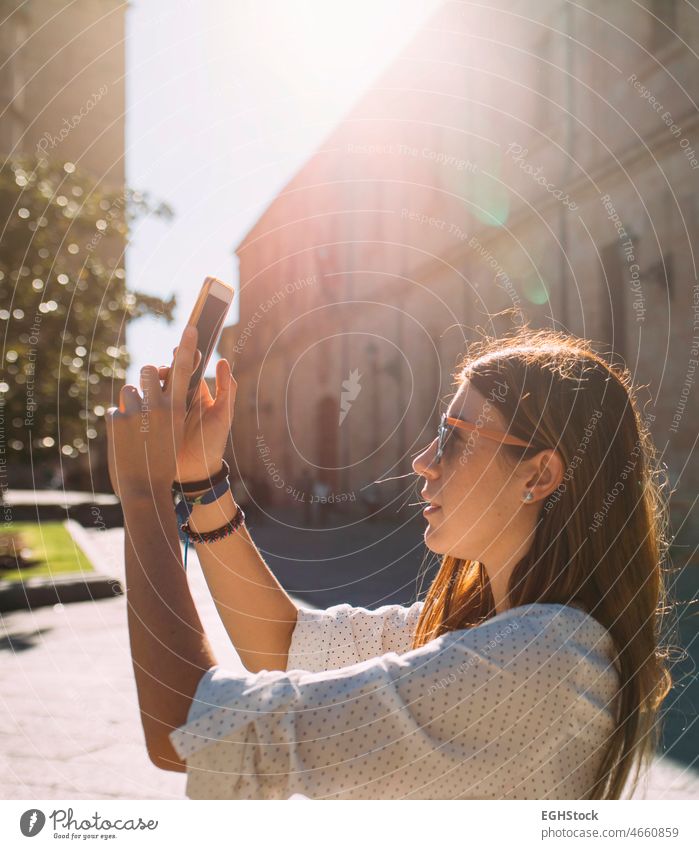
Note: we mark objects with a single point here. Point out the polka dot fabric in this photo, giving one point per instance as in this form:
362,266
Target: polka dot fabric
343,635
520,707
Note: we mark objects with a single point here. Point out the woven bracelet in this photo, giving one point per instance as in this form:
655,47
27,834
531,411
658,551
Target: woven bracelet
188,502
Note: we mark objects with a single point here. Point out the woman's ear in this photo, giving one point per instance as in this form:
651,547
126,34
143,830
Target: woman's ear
546,472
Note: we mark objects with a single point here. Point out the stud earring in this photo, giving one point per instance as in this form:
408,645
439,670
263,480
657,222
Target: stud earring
528,496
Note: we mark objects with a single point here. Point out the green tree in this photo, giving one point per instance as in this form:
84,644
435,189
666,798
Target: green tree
64,305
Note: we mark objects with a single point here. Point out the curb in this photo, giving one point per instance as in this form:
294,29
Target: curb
94,553
70,587
40,592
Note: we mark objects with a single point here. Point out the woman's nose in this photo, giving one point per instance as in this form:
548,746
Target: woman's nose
424,463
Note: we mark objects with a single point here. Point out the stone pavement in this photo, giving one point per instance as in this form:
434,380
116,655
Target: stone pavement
69,720
69,725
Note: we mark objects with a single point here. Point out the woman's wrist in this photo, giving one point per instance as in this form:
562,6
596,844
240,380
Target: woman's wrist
202,477
208,517
154,491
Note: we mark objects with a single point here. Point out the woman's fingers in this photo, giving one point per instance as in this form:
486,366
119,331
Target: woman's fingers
129,399
150,382
197,357
223,377
203,395
183,365
165,372
111,413
225,389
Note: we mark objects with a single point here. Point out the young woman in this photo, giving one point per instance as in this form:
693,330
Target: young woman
531,670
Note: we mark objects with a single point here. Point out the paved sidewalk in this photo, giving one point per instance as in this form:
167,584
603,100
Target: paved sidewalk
69,724
69,720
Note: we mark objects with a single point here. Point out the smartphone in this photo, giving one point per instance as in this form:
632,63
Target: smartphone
208,315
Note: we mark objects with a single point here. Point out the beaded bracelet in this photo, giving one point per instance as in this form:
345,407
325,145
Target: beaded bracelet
217,486
219,533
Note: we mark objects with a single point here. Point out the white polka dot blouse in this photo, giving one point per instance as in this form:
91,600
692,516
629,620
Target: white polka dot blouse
520,707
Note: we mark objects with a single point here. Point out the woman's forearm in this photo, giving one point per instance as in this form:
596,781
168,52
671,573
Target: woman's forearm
169,648
255,610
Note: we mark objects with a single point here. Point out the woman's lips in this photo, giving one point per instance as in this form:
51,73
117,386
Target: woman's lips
430,509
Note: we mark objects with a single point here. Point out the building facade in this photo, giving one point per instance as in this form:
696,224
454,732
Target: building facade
520,161
62,84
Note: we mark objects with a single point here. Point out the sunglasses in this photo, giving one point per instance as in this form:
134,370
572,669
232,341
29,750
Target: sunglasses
447,425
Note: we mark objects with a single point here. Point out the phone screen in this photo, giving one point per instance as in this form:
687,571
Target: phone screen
209,326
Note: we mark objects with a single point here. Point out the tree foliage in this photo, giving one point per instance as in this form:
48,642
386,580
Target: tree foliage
64,304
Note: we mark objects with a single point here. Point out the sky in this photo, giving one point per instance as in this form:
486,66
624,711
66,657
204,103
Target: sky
226,99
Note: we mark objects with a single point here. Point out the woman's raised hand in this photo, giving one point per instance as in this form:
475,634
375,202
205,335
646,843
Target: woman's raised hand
145,433
151,443
207,426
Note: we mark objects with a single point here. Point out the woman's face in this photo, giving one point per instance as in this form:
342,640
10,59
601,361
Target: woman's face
478,493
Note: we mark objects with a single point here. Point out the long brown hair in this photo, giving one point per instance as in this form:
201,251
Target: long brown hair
601,536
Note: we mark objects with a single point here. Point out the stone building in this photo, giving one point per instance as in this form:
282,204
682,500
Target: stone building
62,85
536,158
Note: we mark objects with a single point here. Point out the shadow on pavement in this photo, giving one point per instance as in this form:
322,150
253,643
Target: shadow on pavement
23,641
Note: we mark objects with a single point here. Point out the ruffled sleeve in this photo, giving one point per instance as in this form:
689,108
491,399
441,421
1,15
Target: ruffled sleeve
343,635
519,707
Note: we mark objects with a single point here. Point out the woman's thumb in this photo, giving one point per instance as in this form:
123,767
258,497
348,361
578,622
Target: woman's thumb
225,389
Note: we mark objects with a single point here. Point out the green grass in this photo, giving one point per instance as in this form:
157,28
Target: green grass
51,543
